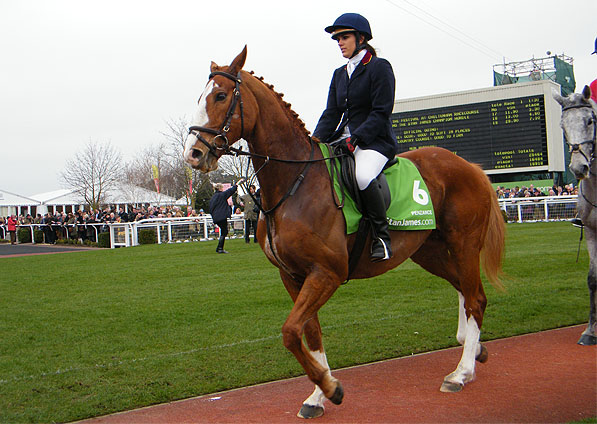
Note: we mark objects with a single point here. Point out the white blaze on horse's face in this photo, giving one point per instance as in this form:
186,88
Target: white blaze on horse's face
200,119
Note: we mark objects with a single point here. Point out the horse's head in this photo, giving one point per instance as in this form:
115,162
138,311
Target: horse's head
220,120
579,123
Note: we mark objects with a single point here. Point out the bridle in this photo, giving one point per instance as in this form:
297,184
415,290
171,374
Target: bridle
226,149
575,147
225,127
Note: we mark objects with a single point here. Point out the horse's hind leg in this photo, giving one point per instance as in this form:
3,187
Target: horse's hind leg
474,306
481,353
589,336
461,269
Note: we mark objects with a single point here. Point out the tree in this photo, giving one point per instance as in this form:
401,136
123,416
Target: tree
93,172
238,166
139,170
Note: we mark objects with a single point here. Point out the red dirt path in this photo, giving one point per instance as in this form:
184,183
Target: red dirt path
543,377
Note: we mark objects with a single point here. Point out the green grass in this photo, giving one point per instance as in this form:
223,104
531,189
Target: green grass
90,333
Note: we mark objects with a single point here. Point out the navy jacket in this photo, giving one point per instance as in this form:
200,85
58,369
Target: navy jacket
364,103
218,205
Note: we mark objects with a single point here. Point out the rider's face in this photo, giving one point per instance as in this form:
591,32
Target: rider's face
347,44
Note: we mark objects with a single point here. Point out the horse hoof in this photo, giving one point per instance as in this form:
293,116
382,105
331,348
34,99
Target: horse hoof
310,411
587,340
338,395
483,356
449,387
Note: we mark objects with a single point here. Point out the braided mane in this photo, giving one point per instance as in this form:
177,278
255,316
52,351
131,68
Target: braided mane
294,117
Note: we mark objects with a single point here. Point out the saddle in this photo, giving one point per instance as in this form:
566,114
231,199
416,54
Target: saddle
348,183
347,175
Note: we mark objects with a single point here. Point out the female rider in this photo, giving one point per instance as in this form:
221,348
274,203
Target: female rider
360,101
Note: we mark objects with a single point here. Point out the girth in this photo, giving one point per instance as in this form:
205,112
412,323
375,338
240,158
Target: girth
348,183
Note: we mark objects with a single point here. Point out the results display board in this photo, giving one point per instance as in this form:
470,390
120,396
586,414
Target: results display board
499,135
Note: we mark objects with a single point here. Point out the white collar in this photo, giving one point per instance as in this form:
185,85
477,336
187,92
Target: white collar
354,61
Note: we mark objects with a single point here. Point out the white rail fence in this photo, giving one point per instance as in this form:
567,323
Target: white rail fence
534,209
168,230
202,228
174,230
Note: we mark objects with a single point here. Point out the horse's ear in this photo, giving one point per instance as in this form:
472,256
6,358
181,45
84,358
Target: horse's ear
586,92
214,67
238,62
556,95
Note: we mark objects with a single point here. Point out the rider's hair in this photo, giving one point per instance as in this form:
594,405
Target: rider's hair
370,49
364,45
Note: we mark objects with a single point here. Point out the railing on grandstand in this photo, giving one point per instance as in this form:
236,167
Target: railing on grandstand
534,209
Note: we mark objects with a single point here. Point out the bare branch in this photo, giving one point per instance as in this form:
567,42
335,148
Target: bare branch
93,172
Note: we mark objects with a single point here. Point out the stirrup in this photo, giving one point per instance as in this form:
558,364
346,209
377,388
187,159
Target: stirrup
577,222
378,256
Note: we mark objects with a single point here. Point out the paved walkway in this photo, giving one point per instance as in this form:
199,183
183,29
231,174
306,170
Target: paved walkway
536,378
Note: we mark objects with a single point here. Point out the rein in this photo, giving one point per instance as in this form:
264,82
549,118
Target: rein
226,149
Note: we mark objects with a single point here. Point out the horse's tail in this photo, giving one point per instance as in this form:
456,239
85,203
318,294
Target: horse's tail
492,252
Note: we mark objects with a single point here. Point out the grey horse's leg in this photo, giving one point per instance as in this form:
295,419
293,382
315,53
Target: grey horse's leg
589,337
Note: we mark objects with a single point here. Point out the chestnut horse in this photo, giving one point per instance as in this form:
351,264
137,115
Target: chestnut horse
303,233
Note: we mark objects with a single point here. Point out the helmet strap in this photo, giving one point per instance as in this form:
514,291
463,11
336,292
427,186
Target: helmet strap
358,45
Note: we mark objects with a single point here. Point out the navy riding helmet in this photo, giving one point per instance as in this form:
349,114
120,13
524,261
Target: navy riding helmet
349,22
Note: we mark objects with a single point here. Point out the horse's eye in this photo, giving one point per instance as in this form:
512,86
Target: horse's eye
220,97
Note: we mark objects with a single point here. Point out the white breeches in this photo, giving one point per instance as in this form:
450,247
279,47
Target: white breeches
368,165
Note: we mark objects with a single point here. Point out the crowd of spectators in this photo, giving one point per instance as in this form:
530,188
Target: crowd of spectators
84,225
531,191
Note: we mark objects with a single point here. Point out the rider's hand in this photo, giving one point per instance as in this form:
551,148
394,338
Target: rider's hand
351,143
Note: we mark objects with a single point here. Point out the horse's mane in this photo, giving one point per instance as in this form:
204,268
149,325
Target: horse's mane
294,117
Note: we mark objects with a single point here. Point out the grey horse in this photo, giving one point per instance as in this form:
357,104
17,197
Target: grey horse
579,123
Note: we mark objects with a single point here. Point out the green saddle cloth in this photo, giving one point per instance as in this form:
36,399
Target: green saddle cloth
411,207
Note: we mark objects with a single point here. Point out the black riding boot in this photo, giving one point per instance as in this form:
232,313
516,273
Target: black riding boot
374,205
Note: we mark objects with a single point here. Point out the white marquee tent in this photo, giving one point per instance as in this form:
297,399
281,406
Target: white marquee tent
66,200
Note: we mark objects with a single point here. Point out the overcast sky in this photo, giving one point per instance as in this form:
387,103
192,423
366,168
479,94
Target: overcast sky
74,71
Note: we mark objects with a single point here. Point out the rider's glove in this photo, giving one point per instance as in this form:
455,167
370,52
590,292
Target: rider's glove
351,143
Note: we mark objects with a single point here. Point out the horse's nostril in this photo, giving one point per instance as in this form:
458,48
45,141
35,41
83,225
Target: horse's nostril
196,154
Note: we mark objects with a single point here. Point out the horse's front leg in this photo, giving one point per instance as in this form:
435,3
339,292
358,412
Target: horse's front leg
589,336
313,406
317,288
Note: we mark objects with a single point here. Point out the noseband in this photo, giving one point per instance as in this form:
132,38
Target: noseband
225,127
575,148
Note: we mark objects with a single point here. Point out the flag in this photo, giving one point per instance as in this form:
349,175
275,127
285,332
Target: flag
190,177
156,177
